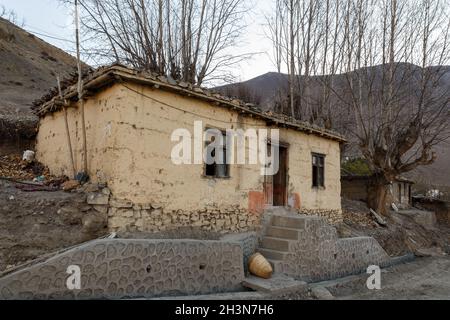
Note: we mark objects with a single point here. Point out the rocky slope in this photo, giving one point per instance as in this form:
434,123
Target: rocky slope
29,67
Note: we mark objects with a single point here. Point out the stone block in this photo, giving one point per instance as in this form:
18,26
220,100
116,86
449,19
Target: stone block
101,209
97,199
120,204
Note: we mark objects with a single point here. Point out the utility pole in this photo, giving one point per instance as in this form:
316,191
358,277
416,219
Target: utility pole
69,142
80,88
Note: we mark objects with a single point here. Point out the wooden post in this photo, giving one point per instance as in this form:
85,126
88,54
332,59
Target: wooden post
69,142
80,88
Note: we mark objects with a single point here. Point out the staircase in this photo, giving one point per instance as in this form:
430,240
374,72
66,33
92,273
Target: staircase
307,248
284,229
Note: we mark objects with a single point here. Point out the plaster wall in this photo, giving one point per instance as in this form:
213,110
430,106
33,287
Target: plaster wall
129,148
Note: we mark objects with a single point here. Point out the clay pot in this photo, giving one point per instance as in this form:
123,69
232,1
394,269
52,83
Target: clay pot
259,266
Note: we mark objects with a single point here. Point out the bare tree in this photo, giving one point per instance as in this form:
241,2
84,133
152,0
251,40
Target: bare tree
377,68
401,106
189,40
301,33
11,16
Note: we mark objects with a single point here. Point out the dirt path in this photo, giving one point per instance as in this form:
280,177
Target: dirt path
421,279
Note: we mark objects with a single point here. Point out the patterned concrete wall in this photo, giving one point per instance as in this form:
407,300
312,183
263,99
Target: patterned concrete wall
249,242
113,269
320,255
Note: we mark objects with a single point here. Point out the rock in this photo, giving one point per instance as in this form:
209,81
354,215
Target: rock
70,215
97,199
28,156
91,187
321,293
85,208
127,214
101,209
429,252
156,213
94,222
70,185
121,204
378,218
106,191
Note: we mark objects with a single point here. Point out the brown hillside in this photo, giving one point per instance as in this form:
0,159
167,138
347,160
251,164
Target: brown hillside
28,67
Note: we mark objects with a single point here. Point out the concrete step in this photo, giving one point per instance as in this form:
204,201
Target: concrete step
280,211
272,254
276,244
289,221
284,233
276,266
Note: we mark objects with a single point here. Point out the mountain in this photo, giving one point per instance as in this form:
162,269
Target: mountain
264,90
29,67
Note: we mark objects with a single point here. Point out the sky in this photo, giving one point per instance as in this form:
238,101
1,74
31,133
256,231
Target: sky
52,22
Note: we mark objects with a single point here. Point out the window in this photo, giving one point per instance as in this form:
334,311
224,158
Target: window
221,169
318,170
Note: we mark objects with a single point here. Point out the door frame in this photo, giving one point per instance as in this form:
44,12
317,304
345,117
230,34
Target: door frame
268,180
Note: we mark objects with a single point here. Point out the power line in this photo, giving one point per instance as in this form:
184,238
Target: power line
48,36
190,112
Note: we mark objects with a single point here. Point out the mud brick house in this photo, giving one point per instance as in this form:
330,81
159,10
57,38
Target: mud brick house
355,187
130,117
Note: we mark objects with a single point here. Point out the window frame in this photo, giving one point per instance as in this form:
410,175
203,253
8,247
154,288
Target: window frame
320,184
227,166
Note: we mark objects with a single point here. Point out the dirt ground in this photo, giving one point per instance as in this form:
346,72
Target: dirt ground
421,279
33,224
37,223
401,236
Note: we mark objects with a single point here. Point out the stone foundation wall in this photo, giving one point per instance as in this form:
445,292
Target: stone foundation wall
115,269
331,216
125,216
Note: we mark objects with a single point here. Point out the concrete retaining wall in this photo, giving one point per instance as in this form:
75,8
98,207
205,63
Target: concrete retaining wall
114,269
320,255
249,242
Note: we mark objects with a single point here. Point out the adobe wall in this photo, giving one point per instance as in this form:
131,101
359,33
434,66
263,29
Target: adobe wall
354,189
129,149
115,269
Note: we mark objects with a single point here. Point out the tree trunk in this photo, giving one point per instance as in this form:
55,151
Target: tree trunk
377,197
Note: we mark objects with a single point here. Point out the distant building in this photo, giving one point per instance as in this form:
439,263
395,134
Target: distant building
355,187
